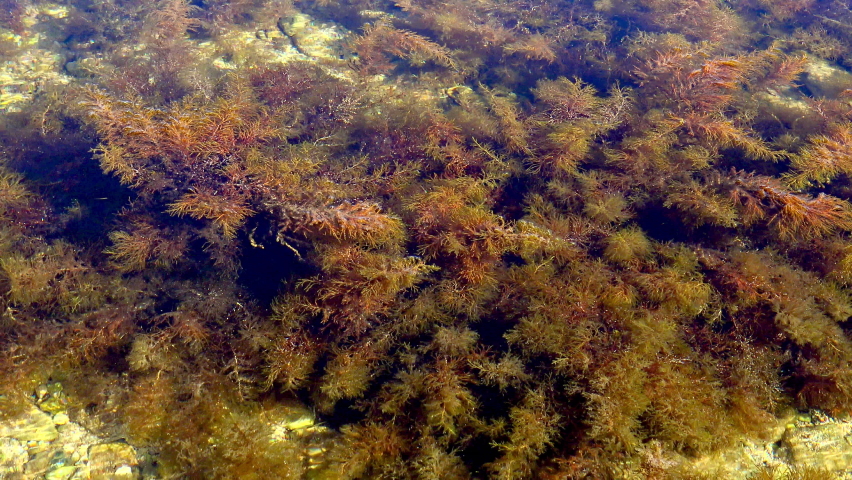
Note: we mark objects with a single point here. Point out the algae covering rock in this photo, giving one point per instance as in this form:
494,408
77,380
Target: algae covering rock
38,64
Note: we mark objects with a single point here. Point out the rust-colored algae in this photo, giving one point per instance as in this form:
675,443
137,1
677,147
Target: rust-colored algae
510,240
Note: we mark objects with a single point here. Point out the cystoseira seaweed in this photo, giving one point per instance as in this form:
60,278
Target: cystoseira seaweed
510,240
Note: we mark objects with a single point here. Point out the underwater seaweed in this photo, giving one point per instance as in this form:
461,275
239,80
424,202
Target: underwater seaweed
525,239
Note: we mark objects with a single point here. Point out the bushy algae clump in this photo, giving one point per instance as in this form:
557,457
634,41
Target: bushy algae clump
509,240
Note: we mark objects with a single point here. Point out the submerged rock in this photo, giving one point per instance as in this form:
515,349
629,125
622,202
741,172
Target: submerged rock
825,79
819,444
13,456
113,461
320,41
33,66
44,442
33,425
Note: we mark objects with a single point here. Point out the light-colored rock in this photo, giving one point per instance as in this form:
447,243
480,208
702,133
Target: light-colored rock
827,446
53,10
61,473
107,458
13,456
61,419
124,471
293,420
32,70
786,104
51,398
315,40
30,426
295,38
812,440
826,79
39,463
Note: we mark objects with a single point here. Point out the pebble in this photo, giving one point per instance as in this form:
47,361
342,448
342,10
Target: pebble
124,471
61,473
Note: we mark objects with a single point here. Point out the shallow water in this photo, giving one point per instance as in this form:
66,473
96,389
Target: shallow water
416,239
